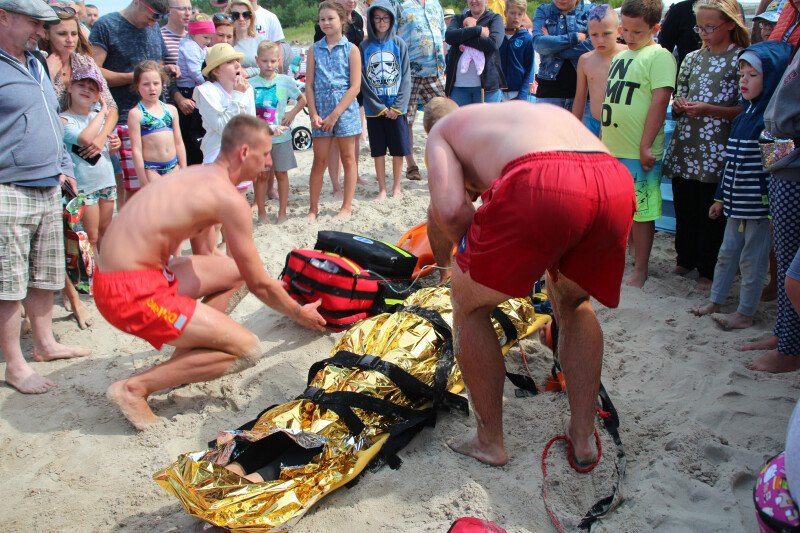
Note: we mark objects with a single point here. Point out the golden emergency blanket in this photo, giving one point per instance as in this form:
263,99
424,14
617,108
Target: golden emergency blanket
214,494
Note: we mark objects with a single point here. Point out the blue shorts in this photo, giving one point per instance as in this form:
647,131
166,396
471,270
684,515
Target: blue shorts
385,133
161,168
648,189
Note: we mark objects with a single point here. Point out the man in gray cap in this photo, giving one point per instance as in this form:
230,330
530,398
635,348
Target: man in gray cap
33,161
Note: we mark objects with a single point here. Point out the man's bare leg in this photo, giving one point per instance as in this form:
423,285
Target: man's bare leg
580,350
482,366
208,347
441,247
19,373
39,305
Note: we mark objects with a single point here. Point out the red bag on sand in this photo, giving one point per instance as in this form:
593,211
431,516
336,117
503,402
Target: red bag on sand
470,524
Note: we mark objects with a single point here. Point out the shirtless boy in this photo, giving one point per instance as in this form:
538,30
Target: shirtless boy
553,199
593,66
141,290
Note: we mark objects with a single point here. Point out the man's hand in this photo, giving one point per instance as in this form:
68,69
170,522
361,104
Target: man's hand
308,316
173,71
646,158
715,210
70,181
186,105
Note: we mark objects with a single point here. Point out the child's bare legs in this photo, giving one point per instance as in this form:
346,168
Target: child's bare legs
119,179
260,186
106,214
380,172
271,184
322,149
283,194
347,154
333,168
397,175
642,233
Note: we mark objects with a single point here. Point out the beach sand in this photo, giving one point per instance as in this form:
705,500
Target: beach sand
695,423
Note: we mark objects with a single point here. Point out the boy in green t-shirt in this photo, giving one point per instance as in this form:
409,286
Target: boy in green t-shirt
640,83
272,93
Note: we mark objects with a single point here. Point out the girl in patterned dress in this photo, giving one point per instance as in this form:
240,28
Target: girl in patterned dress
706,101
332,83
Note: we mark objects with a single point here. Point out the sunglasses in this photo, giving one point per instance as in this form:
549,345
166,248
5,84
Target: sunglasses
244,14
221,17
64,12
154,15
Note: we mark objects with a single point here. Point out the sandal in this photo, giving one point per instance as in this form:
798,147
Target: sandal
413,174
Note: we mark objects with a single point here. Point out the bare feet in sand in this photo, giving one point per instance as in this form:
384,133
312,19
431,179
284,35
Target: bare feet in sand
681,271
282,219
272,195
767,343
82,315
133,407
775,362
703,284
339,195
59,351
490,455
312,217
707,309
381,196
636,279
584,451
732,320
26,381
397,193
342,214
263,219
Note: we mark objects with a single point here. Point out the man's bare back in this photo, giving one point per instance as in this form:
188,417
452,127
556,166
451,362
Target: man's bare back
153,223
487,138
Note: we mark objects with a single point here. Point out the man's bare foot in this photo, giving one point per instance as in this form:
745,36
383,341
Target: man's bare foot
767,343
312,216
381,196
703,284
133,407
775,362
272,195
27,381
338,194
681,271
282,218
636,279
732,321
82,315
262,219
584,452
707,309
60,351
397,193
342,214
493,456
770,292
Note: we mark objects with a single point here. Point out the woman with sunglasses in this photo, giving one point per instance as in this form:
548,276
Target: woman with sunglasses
245,38
68,49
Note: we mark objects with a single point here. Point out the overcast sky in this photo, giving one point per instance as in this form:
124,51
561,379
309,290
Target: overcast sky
107,6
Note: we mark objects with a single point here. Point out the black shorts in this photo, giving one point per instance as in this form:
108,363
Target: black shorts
387,133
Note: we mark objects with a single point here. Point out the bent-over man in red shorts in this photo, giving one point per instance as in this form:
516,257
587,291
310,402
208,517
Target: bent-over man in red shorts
553,200
141,290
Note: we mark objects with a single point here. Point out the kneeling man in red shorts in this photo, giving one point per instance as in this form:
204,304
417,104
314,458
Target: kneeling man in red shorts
141,290
553,200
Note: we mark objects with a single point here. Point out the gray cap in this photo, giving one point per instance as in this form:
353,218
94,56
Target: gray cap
37,9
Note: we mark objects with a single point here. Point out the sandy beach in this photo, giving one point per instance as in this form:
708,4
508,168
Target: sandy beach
696,425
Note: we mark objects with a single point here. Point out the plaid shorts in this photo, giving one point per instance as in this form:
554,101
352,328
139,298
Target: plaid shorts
423,90
31,240
130,179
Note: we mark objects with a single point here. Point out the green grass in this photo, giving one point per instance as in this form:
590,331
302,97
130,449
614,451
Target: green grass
303,33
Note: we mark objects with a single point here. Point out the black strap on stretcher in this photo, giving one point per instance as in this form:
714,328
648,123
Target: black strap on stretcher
525,383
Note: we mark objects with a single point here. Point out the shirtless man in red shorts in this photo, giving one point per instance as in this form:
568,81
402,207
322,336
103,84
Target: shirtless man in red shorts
553,200
141,290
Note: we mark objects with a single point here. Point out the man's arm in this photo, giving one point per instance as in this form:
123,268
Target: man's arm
114,79
235,217
652,124
450,207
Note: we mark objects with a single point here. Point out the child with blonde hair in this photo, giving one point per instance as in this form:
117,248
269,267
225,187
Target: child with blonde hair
706,101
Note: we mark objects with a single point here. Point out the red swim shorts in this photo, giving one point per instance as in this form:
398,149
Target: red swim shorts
144,303
566,212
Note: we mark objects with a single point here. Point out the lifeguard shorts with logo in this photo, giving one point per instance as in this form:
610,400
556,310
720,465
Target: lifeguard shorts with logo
144,303
566,212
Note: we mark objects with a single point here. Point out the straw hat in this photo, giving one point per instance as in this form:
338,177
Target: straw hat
219,54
